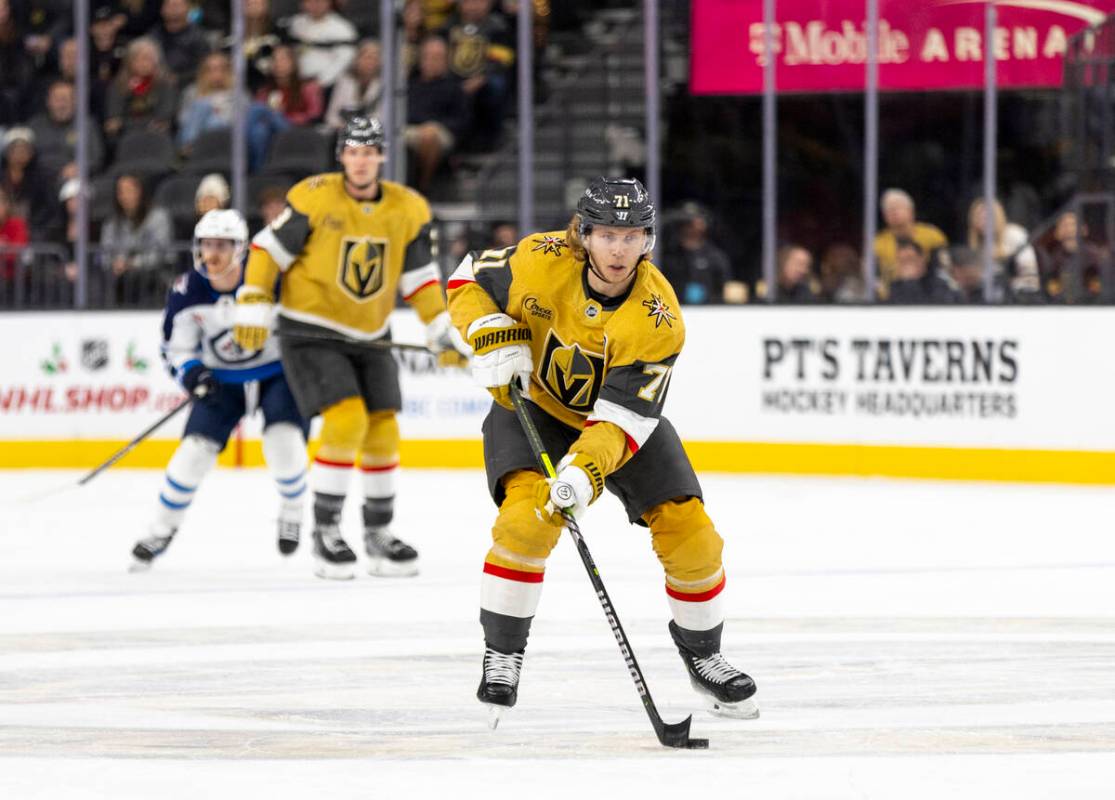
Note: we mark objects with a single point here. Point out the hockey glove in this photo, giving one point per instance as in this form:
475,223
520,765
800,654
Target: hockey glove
201,383
578,483
442,338
253,318
501,354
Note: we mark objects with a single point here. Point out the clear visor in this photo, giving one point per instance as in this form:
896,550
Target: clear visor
223,254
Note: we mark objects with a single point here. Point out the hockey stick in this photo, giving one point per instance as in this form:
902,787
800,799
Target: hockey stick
377,344
671,735
119,454
44,494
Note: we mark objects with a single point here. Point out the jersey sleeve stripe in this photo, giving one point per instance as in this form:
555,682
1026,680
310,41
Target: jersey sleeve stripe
637,427
411,282
268,241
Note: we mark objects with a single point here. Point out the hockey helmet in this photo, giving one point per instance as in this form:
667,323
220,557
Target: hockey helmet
361,131
221,223
618,202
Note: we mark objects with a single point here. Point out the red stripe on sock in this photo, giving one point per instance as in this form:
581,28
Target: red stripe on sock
697,598
513,574
458,282
386,468
338,464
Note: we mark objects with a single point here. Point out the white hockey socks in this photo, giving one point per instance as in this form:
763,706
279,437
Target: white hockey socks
194,458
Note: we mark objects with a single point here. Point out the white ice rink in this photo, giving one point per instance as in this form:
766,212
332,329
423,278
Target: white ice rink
910,640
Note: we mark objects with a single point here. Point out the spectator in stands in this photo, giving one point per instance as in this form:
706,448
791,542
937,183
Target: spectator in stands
13,233
437,111
208,102
914,282
360,89
898,213
842,275
1015,259
415,30
64,70
698,269
106,54
1058,255
271,202
183,43
796,283
299,100
28,188
45,23
136,239
56,135
260,39
966,271
212,194
326,41
15,68
504,234
481,53
69,197
142,97
134,18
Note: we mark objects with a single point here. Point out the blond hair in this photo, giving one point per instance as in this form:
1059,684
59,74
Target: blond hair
975,237
573,237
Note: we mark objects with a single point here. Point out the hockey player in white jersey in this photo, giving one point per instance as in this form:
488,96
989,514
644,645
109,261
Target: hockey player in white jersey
227,383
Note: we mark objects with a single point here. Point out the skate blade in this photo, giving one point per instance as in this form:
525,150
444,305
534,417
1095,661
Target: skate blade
139,565
385,568
744,709
333,572
495,714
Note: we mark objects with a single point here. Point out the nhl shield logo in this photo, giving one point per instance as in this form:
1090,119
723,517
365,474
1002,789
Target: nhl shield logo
94,354
362,263
571,374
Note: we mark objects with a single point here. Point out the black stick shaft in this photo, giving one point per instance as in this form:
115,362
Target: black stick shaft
376,344
119,454
676,735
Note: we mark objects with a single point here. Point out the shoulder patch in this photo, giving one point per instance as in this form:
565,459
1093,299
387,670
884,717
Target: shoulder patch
660,311
548,244
180,283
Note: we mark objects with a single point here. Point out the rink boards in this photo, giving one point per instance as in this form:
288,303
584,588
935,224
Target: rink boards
980,394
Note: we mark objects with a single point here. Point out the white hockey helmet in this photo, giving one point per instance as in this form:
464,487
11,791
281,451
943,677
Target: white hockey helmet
221,223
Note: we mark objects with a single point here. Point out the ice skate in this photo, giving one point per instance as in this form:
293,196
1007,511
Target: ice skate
726,690
333,558
499,685
147,550
290,528
289,533
389,557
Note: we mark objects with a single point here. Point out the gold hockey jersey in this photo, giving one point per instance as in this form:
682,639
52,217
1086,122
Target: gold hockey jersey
595,360
343,259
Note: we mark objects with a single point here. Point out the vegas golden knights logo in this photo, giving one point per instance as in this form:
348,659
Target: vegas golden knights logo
570,374
362,264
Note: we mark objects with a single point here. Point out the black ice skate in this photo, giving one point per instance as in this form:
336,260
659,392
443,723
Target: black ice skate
499,685
289,533
333,558
388,556
147,550
727,690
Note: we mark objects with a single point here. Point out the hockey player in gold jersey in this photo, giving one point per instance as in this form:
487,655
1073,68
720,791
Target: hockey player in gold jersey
343,246
590,330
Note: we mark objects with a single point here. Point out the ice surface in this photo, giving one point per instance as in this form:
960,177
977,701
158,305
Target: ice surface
909,639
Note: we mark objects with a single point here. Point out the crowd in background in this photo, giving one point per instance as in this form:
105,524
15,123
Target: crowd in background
162,103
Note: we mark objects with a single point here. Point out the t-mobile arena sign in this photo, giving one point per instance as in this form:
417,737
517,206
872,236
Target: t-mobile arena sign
927,44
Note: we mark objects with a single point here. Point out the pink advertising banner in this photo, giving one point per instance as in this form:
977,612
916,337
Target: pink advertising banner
821,45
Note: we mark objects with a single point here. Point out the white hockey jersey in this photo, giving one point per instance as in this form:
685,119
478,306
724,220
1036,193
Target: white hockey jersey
197,329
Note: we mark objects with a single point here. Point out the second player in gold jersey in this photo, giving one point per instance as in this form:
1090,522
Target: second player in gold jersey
342,248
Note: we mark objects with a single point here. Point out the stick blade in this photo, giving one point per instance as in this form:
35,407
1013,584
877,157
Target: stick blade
677,735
